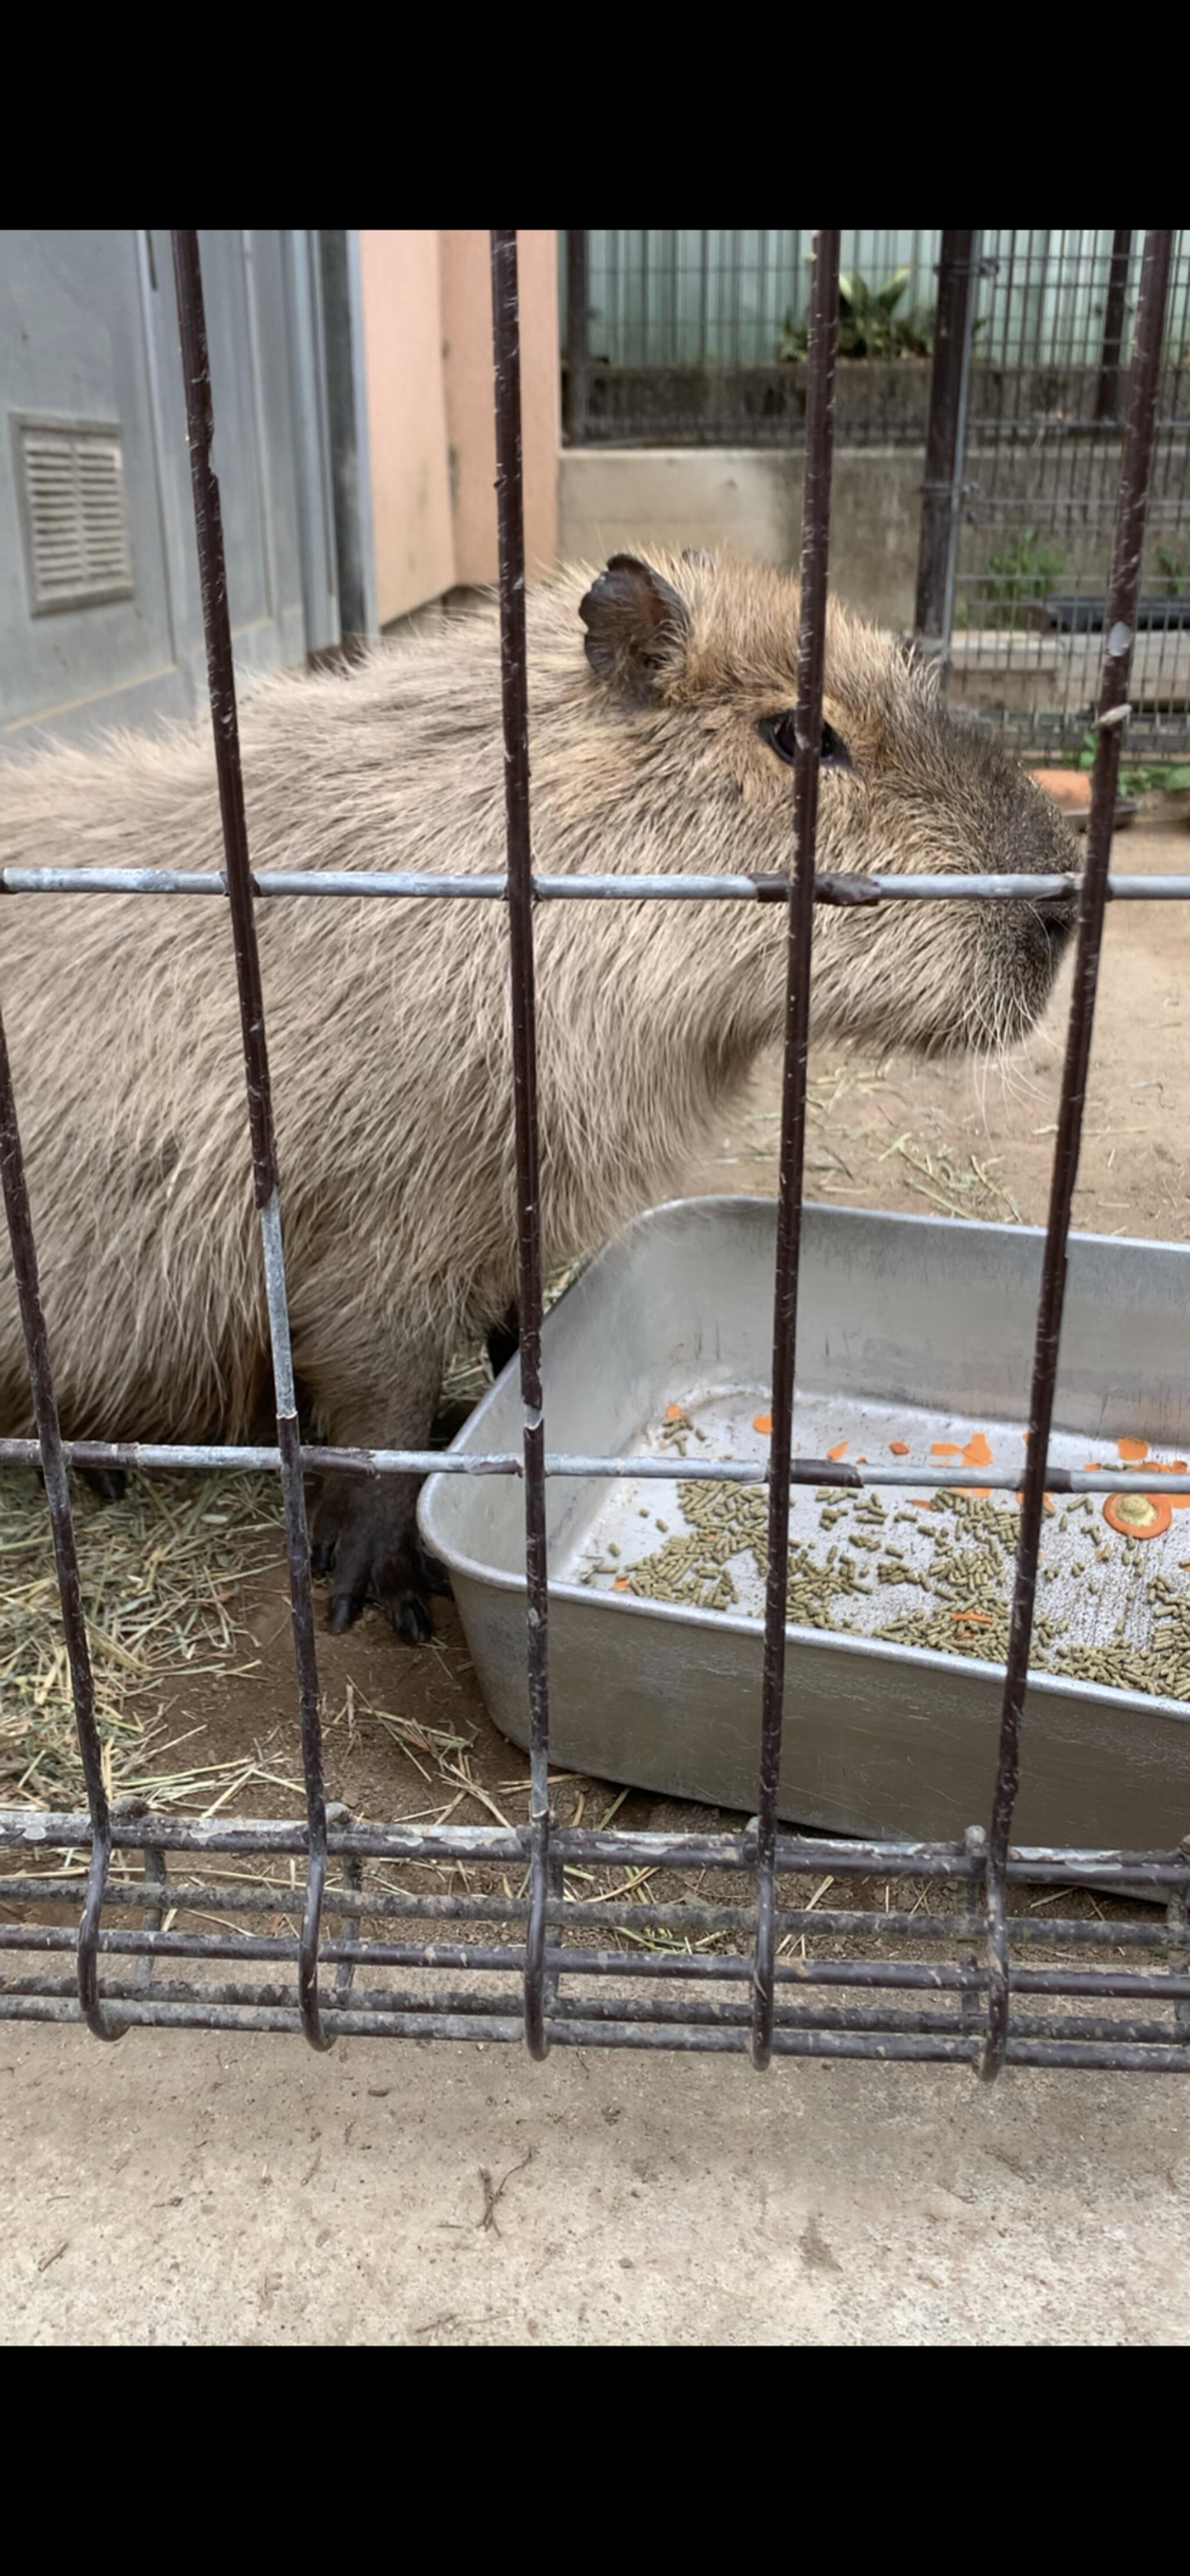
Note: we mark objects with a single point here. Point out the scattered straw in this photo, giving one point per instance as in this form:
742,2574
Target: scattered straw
159,1570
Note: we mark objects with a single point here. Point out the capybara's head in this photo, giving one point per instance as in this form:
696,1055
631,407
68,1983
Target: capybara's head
695,663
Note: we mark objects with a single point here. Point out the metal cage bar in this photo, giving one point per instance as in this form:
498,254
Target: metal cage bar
51,1458
212,569
147,1455
1113,711
964,2016
831,887
515,703
820,395
957,269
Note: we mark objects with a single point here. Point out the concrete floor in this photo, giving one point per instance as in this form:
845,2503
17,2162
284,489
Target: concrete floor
194,2190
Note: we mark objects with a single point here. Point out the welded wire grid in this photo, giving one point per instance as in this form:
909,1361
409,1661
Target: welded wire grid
701,338
528,1955
1056,316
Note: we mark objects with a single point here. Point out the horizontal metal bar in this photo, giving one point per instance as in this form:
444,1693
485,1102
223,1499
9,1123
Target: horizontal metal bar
265,1460
40,1828
831,887
880,2045
620,2008
569,1913
387,1904
1156,1986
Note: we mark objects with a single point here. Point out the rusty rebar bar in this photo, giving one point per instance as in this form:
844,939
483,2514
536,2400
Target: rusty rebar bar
820,395
212,570
1113,711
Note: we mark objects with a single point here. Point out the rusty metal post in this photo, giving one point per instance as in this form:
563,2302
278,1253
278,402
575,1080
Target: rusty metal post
1107,391
200,426
515,700
946,440
53,1466
1113,711
577,336
820,397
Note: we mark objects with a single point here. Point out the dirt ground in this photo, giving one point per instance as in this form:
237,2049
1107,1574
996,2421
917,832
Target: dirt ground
196,2189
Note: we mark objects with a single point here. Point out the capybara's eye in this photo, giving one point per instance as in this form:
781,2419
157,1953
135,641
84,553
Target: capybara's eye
780,732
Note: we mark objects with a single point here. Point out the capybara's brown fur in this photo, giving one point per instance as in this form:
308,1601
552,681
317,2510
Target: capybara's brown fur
659,746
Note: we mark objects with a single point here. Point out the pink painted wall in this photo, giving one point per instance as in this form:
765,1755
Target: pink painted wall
411,512
428,357
467,334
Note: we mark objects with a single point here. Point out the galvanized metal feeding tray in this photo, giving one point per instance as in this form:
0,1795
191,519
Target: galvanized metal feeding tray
915,1338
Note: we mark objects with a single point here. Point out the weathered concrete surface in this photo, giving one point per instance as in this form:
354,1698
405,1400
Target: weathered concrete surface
614,498
190,2190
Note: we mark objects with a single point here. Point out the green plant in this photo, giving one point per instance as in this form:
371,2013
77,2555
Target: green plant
871,327
1172,775
1176,569
869,323
1021,570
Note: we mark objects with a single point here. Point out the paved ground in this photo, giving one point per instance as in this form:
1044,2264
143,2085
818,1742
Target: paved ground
183,2190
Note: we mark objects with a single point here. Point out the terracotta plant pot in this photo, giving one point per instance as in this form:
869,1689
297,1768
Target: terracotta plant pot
1070,788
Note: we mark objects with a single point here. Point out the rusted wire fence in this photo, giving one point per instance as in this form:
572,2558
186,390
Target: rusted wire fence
530,1958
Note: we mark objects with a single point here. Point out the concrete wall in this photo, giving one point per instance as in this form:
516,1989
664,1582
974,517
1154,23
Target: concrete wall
428,360
612,498
752,498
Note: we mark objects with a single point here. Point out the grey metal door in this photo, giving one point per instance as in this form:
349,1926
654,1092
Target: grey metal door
99,610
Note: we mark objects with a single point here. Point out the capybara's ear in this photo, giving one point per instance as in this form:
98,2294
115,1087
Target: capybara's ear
635,626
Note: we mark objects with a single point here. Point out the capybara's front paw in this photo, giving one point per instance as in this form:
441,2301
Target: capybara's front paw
367,1542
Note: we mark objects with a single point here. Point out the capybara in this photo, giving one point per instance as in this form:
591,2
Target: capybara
661,693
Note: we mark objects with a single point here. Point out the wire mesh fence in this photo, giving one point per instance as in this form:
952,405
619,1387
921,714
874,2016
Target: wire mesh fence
702,338
1055,322
681,339
366,1935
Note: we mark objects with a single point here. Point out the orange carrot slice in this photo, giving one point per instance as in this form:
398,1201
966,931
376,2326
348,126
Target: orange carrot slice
762,1422
898,1448
1137,1515
977,1453
945,1449
838,1449
1132,1451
